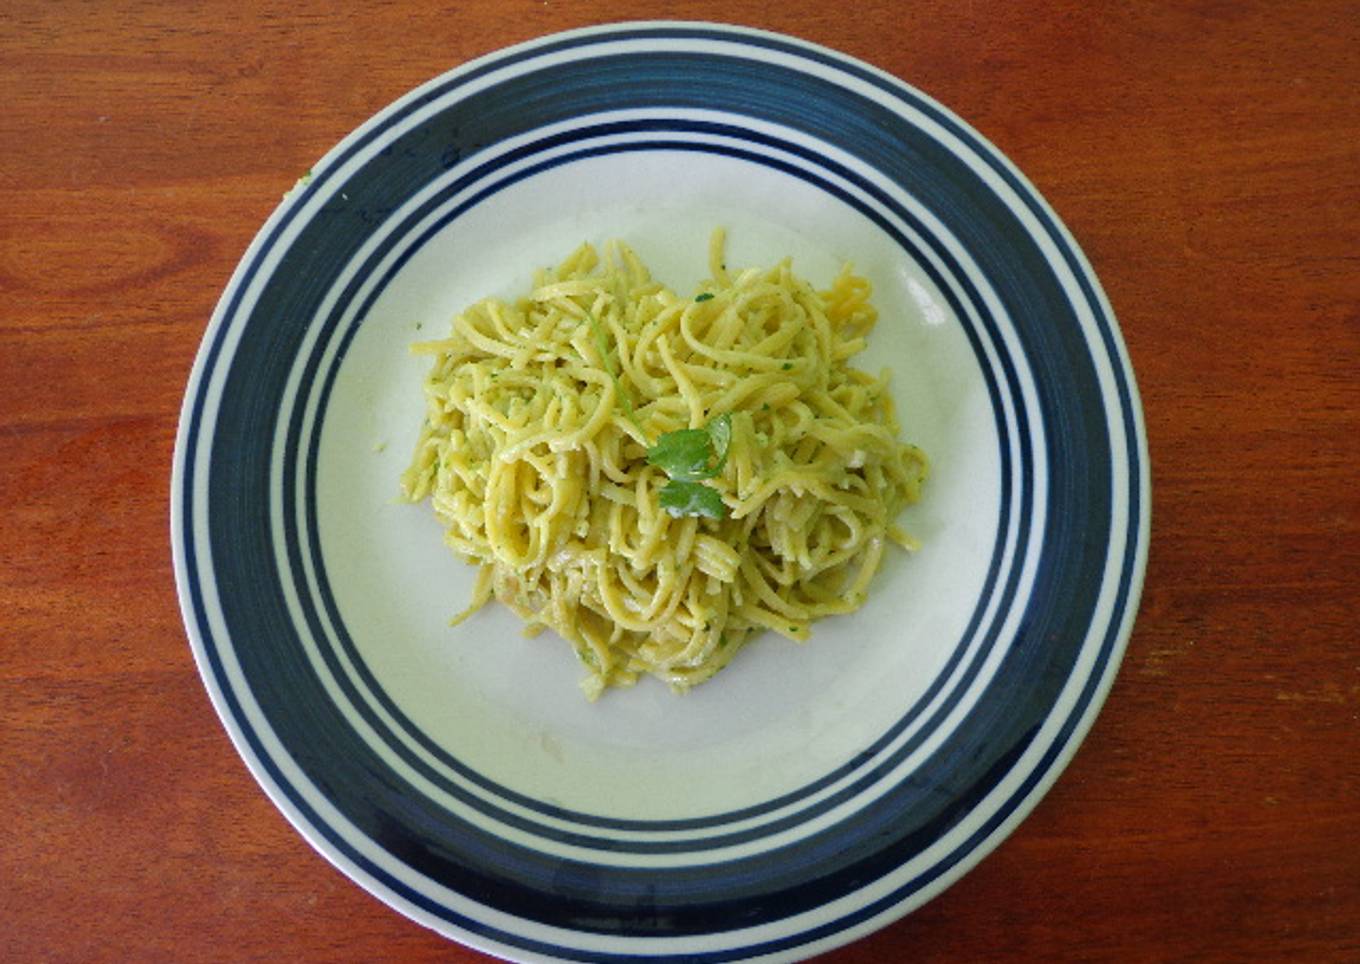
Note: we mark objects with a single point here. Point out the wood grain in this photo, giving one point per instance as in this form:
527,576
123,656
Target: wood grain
1204,154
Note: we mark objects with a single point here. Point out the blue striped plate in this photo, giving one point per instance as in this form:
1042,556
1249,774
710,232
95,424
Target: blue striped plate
807,795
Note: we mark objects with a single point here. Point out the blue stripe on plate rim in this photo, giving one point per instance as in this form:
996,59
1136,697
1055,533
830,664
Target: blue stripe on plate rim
905,881
436,213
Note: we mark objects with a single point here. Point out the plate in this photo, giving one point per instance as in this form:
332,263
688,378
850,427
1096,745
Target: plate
808,794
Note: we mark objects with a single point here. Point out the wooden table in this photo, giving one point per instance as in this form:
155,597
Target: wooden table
1204,154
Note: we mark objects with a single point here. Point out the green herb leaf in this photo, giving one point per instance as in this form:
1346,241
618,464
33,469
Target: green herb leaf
684,454
787,366
720,432
706,296
691,498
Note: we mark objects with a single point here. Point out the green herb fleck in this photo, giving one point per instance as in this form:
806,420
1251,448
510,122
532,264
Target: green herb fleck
597,330
787,366
706,296
299,184
610,367
691,498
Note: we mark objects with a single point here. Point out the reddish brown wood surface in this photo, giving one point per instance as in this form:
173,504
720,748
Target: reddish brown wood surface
1205,155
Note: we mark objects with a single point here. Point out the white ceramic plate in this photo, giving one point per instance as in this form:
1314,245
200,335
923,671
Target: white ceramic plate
808,794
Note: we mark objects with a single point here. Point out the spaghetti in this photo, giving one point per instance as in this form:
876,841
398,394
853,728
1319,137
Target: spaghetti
658,478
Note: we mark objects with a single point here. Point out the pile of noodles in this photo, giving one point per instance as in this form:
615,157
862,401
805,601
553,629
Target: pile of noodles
539,418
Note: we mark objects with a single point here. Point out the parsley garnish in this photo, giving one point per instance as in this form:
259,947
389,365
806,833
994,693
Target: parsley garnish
691,498
684,455
787,366
720,429
689,456
706,296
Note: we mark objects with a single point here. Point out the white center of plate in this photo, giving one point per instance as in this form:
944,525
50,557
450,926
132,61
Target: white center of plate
783,714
